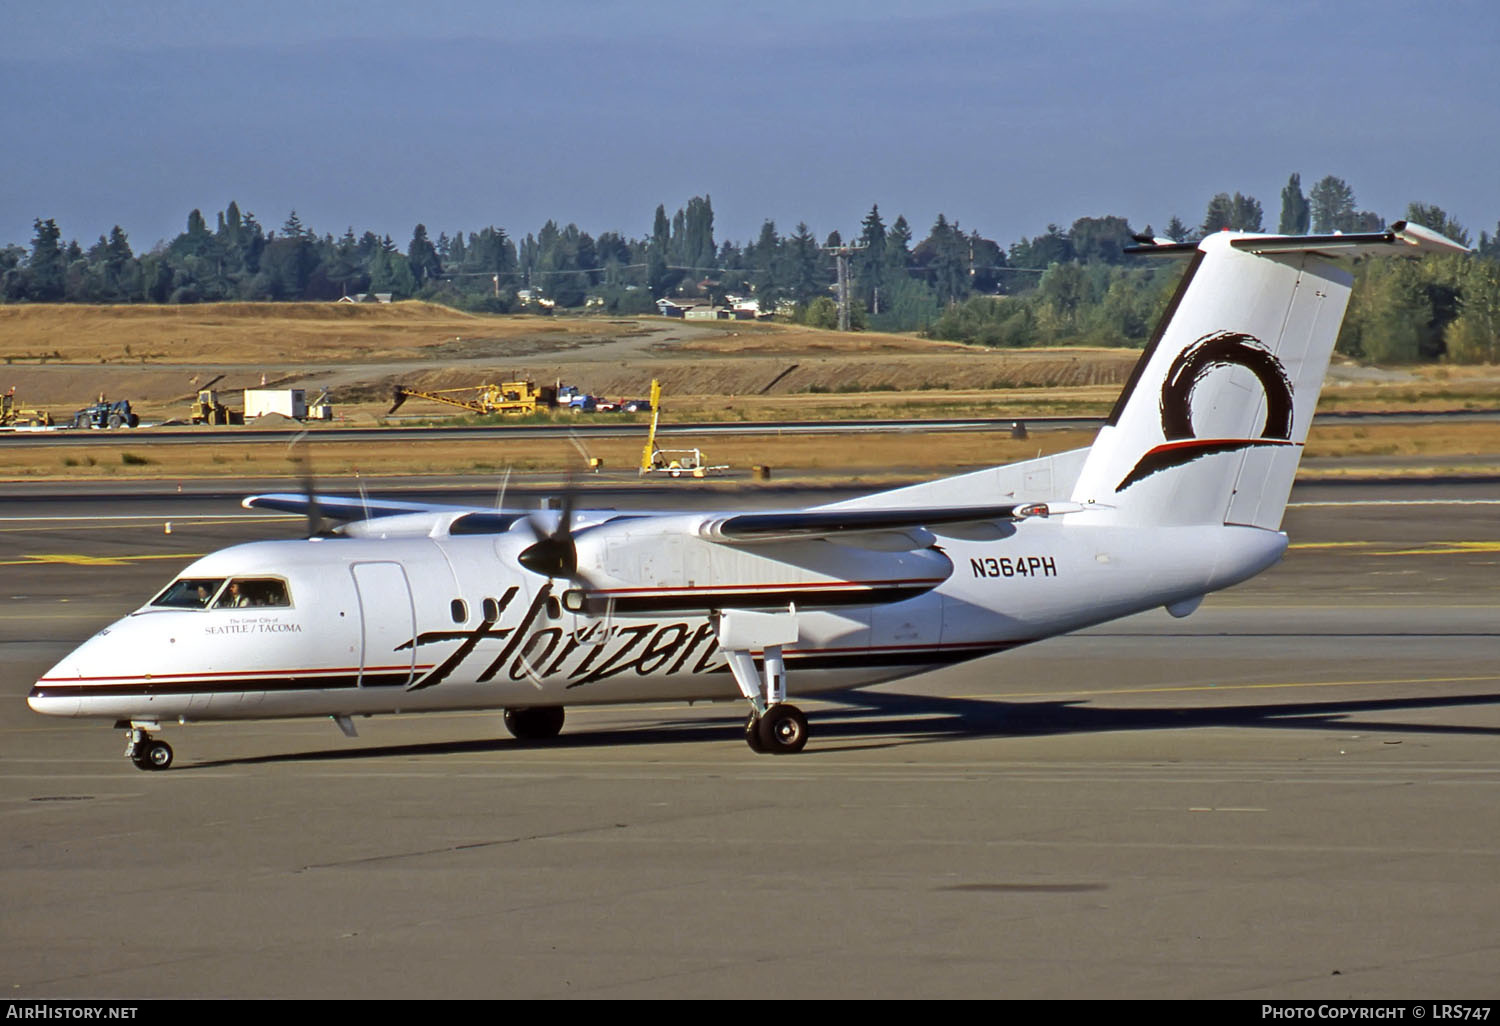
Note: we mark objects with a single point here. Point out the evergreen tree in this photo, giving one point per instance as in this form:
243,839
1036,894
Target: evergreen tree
1219,215
1332,206
769,279
945,256
1296,214
45,271
1247,214
898,251
1043,251
805,278
422,256
677,249
698,249
986,262
1238,213
659,277
869,262
119,272
1489,245
1100,239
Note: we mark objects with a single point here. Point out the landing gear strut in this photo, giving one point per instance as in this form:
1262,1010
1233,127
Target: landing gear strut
146,752
774,727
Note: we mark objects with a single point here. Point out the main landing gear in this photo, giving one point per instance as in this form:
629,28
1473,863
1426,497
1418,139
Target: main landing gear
145,751
774,727
780,730
537,723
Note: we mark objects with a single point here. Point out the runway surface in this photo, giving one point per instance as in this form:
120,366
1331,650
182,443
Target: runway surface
1289,794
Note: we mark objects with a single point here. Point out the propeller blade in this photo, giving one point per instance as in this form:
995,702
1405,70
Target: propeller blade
301,454
554,554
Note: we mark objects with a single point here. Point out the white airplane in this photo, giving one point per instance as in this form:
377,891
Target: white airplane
413,608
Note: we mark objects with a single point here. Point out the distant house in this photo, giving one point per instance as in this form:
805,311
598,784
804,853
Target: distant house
367,297
693,310
742,308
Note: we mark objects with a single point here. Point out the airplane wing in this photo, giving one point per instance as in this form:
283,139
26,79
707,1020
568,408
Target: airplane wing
752,528
894,529
336,507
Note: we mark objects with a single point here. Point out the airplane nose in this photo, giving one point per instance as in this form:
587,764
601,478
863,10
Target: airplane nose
46,700
61,690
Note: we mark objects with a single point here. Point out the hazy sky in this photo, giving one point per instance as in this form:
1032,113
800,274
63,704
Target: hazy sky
1003,115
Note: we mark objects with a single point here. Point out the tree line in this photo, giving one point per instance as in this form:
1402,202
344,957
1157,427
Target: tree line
1065,285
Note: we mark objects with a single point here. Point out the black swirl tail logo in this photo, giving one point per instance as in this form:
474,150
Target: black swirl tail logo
1212,351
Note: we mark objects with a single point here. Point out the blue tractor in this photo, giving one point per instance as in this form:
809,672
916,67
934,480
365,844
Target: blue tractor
105,414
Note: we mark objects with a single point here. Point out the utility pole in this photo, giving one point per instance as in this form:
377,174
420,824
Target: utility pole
841,256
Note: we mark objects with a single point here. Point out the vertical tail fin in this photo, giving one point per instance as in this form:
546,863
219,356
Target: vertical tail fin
1211,425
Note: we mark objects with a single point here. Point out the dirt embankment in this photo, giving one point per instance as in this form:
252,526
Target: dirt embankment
158,356
61,357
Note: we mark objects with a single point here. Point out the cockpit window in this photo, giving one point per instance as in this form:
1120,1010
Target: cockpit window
189,593
254,591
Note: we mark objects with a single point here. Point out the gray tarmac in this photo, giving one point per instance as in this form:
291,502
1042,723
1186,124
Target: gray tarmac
1290,794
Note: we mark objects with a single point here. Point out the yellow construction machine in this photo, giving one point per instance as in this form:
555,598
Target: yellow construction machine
672,462
13,416
209,410
506,397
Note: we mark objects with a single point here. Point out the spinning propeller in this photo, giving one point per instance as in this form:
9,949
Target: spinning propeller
554,554
300,453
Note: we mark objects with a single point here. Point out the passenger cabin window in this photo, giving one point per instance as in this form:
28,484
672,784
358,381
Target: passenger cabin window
189,593
458,610
253,591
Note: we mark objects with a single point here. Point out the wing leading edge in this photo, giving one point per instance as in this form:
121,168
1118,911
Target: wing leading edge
751,528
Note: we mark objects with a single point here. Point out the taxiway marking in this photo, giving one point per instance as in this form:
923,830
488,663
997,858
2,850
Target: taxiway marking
77,559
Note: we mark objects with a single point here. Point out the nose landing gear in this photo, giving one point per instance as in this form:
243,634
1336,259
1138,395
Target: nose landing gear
144,751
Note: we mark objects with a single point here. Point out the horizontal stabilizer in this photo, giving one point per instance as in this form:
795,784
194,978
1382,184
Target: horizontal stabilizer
1401,237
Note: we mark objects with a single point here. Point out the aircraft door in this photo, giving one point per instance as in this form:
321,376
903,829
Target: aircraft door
387,622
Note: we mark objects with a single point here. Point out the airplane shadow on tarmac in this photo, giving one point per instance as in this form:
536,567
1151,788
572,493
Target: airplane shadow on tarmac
892,719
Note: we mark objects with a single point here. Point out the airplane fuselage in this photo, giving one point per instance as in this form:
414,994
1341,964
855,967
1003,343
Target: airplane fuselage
441,623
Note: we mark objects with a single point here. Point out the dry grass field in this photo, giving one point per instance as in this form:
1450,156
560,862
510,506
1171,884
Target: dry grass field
1334,450
62,357
230,333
